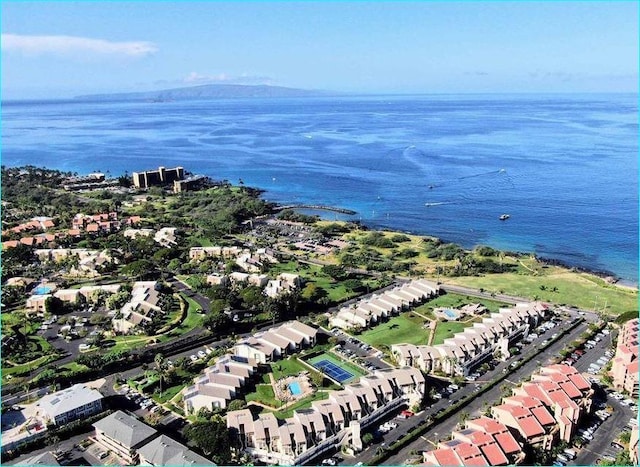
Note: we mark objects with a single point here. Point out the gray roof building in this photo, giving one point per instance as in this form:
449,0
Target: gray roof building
165,451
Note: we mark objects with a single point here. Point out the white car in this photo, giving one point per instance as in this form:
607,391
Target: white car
201,354
193,358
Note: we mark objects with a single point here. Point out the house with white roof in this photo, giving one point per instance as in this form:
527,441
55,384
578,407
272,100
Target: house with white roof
70,404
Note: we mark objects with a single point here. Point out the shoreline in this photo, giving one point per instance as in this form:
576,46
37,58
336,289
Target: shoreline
608,276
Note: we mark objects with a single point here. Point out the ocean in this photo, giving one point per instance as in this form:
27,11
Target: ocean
563,167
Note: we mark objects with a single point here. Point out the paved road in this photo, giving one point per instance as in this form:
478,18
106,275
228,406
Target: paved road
475,408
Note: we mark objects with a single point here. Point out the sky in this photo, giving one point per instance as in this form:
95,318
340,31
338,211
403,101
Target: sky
59,49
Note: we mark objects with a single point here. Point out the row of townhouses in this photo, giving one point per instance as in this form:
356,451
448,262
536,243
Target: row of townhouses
247,260
283,283
370,311
37,303
140,309
466,350
328,423
88,262
539,414
223,381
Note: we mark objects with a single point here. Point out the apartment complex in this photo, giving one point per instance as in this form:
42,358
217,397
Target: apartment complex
143,306
466,350
541,413
224,381
137,443
624,368
370,311
328,423
70,404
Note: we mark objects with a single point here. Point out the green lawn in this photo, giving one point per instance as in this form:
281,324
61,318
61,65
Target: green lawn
353,369
406,328
577,289
301,404
263,394
446,329
288,367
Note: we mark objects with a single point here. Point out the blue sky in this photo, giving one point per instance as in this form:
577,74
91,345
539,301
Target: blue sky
62,49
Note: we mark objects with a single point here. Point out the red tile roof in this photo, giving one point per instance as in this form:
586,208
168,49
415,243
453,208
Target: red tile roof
470,454
28,241
446,457
10,244
507,442
543,416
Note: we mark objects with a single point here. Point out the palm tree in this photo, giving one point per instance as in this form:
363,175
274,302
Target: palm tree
161,368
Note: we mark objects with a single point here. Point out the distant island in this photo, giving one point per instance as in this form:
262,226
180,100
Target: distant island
210,91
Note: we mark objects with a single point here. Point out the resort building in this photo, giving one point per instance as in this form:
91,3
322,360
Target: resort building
371,311
88,293
140,309
219,383
70,404
222,252
124,435
160,177
328,423
624,368
483,442
466,350
270,345
163,451
530,418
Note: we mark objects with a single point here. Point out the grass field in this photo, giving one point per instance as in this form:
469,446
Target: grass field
446,329
263,394
406,328
578,289
288,367
333,358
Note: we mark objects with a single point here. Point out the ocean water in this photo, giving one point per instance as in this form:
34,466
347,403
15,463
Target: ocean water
564,167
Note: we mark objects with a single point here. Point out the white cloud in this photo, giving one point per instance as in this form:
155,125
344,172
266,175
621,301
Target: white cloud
74,45
199,78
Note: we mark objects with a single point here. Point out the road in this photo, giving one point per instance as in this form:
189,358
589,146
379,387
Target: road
442,430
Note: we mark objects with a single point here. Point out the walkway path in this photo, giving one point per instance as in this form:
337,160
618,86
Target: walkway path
432,330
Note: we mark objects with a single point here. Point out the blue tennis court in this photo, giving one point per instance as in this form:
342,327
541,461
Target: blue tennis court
333,371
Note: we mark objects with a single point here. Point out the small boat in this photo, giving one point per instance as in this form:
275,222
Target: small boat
504,217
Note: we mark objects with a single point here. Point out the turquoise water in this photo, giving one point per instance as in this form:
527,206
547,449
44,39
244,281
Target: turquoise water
41,290
564,167
450,314
294,388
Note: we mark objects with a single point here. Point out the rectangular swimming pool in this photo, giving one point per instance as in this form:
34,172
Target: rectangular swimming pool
450,314
294,388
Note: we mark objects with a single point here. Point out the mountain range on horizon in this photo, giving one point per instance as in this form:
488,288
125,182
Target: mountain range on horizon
212,91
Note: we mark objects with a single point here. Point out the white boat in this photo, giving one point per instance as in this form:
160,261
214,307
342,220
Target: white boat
504,217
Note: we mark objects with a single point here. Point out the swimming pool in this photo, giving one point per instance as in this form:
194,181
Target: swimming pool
294,388
41,290
450,313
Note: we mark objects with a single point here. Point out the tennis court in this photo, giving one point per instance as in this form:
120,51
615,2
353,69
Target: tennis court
333,371
335,368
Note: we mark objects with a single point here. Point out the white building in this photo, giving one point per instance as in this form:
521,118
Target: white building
70,404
